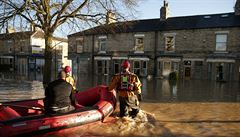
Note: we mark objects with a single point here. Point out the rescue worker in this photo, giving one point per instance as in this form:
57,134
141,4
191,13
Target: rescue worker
128,87
58,96
69,78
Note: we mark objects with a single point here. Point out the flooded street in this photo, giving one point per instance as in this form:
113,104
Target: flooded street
187,109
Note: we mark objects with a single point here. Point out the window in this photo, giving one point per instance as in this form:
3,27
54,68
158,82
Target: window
79,43
102,43
144,68
136,67
99,66
170,43
144,64
221,42
139,44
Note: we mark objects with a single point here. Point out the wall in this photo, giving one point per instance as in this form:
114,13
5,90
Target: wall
196,44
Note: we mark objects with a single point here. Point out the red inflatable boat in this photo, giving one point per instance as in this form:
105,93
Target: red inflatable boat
24,117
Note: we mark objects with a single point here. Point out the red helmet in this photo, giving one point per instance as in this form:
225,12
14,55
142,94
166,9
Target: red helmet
67,69
126,64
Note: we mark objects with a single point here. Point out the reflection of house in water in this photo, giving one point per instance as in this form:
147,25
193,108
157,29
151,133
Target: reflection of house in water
24,51
196,47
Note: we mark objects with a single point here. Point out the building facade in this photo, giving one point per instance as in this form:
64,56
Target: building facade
203,47
22,53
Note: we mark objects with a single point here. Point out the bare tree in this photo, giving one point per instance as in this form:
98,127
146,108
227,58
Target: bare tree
50,14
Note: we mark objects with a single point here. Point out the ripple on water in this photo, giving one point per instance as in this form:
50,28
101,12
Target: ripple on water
20,90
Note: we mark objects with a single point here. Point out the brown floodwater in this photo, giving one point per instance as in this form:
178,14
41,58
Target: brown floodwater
166,120
182,109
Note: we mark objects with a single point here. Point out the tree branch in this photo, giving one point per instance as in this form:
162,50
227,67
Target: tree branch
62,18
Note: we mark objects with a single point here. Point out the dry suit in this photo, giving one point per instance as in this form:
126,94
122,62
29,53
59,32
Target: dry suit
128,87
70,80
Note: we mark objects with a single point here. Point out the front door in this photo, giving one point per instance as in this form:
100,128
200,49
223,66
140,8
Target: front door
166,68
219,75
136,67
102,67
116,68
187,72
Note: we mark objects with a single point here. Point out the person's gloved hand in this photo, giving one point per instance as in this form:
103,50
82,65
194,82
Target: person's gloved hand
139,97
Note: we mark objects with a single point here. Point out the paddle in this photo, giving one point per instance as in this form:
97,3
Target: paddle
29,107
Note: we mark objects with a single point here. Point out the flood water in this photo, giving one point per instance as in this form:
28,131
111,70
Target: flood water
159,90
190,108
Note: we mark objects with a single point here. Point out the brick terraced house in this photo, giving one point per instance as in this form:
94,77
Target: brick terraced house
22,53
205,47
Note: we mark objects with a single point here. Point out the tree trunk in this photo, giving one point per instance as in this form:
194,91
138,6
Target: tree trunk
48,59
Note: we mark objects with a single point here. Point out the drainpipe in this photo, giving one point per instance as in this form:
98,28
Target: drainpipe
93,54
155,53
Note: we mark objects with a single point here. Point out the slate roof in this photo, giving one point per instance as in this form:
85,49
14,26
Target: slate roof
27,34
172,23
16,35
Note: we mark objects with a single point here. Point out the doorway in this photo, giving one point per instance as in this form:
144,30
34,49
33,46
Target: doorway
116,68
166,68
187,72
136,67
220,74
102,67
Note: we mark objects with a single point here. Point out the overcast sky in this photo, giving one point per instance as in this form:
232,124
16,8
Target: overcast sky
151,8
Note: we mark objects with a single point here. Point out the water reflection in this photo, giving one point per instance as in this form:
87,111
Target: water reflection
167,119
12,90
159,90
153,90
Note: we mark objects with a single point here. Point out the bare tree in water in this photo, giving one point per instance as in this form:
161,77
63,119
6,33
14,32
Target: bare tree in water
49,15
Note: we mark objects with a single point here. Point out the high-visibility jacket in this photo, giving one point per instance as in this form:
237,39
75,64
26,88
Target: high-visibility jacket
70,80
133,80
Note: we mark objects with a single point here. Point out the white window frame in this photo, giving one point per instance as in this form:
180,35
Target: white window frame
102,43
221,41
79,45
169,44
139,43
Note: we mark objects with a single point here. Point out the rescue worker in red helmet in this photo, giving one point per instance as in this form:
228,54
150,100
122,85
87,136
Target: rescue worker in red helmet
69,78
128,86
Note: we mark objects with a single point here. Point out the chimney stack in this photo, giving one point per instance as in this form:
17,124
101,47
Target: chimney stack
237,7
110,17
32,27
10,30
164,11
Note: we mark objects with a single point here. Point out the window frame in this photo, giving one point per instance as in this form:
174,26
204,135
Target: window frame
102,42
172,43
223,44
139,43
80,45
